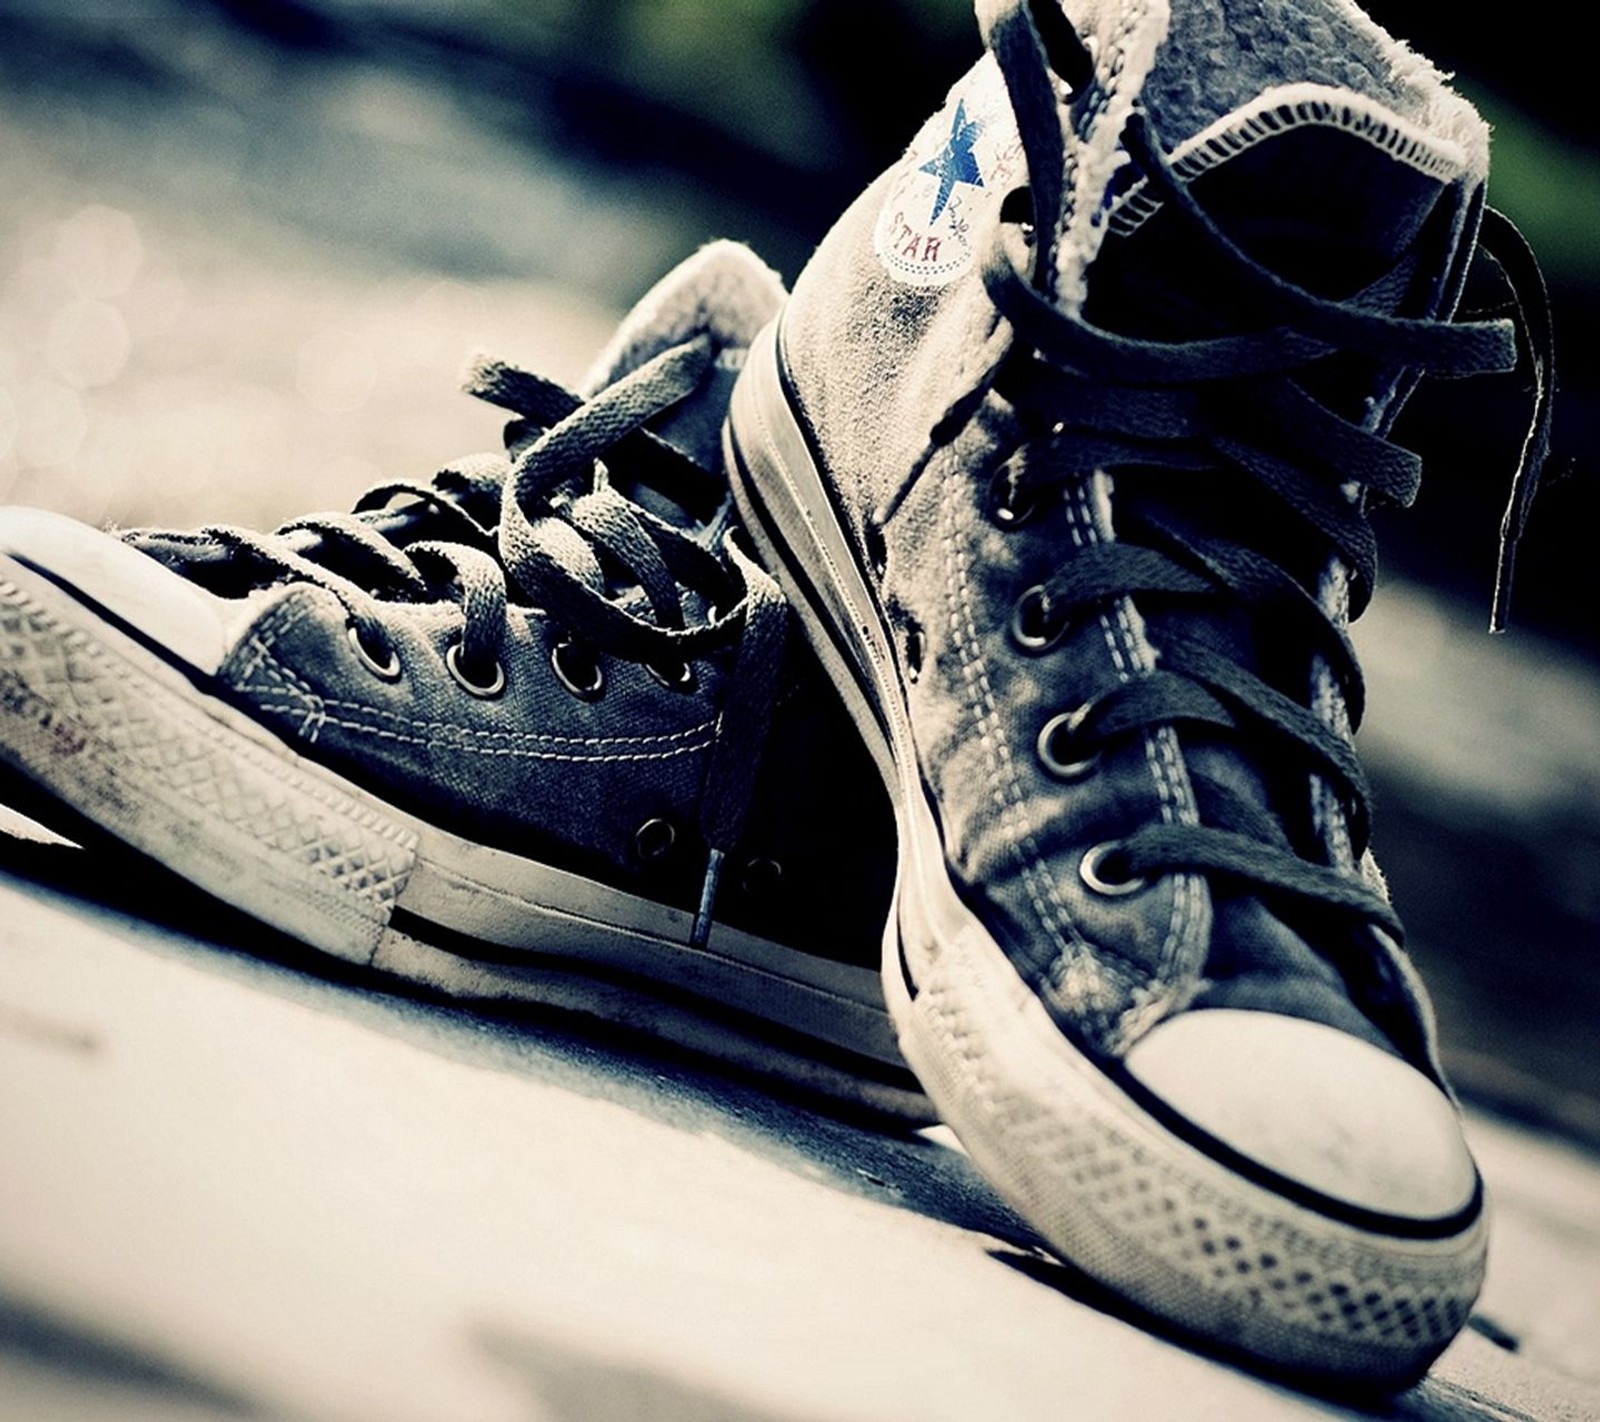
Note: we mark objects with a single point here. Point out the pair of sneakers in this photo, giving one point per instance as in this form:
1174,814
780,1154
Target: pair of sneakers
1060,452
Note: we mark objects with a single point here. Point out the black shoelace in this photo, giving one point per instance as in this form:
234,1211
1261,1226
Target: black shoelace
1237,403
544,525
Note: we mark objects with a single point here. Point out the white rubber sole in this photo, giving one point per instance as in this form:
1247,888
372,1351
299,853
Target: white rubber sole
126,740
1139,1208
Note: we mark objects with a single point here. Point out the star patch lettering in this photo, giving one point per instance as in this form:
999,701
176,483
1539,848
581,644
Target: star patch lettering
962,162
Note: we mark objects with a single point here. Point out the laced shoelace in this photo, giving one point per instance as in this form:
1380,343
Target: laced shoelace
1099,402
544,526
562,522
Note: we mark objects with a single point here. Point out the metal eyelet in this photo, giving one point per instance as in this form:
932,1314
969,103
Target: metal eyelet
485,691
578,669
1017,207
654,839
1057,733
877,550
1032,629
1006,508
916,648
675,676
761,878
385,668
1089,870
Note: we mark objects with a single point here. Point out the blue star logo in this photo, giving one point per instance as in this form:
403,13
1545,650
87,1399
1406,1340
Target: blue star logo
955,163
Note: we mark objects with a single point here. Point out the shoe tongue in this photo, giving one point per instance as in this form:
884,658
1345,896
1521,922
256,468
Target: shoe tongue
726,294
1327,210
693,426
1336,140
689,492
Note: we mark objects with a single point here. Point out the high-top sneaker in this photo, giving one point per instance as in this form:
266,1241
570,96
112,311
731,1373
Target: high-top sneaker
1062,448
532,731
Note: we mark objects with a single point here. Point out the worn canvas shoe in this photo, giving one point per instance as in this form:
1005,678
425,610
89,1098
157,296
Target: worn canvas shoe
531,732
1062,447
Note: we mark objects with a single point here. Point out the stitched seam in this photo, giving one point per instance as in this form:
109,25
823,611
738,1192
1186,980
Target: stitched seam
284,617
264,663
1291,108
1094,157
1130,651
1327,815
279,679
281,619
663,738
1005,788
383,733
1132,978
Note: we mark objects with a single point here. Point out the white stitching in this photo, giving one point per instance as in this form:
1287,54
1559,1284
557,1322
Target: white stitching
278,678
281,618
1005,787
1160,747
284,679
538,737
505,751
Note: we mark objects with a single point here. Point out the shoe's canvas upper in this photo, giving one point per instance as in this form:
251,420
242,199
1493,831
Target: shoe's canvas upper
1344,169
593,753
1218,78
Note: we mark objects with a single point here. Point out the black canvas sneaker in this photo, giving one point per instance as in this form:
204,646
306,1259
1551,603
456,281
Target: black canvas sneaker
1062,448
533,731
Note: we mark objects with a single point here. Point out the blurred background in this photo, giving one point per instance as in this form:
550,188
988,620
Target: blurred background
245,246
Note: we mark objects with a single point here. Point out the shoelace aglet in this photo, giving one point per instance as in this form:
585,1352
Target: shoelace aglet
1536,344
708,896
1500,604
1524,485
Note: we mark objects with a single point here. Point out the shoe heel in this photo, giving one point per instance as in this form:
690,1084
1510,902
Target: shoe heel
784,501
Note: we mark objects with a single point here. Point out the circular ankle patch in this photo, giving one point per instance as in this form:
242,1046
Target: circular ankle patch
958,166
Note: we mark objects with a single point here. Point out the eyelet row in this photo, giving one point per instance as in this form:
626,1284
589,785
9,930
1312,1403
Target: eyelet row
675,676
386,668
1034,631
1052,747
578,669
654,839
576,666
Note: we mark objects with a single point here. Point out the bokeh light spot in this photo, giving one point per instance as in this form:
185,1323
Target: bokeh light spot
88,343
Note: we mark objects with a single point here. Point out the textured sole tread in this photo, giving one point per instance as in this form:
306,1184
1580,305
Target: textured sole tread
127,743
1132,1205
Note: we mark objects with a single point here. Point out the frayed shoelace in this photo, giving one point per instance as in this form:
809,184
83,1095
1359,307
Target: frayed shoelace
1098,402
544,526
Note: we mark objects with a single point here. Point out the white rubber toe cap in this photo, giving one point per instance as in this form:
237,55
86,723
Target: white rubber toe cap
185,620
1307,1102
